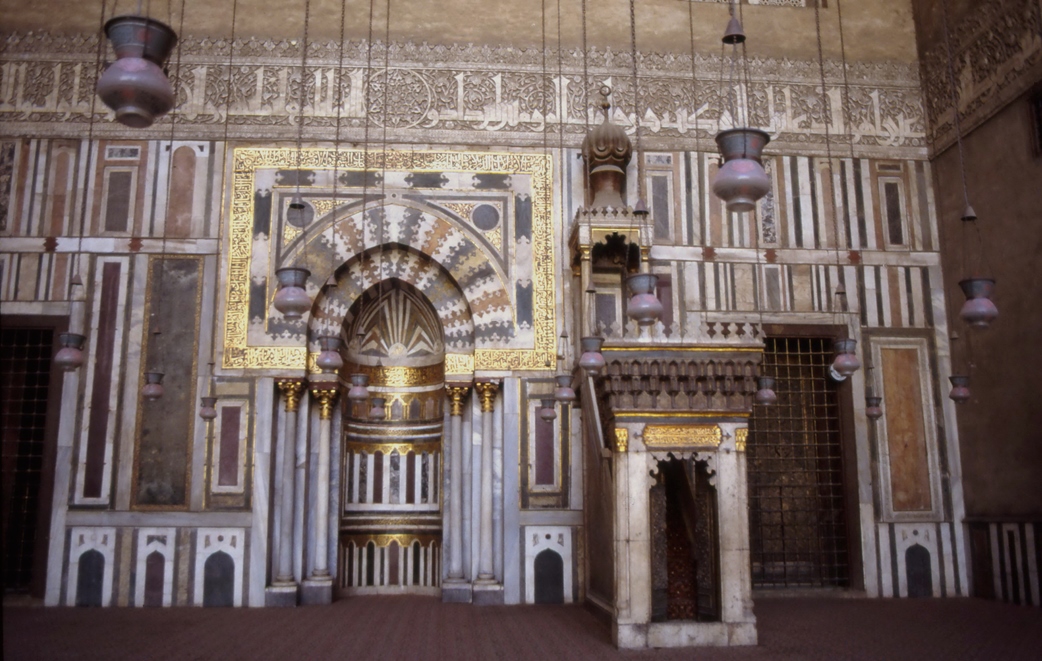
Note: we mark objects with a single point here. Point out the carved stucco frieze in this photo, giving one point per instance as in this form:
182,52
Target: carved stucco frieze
996,57
466,94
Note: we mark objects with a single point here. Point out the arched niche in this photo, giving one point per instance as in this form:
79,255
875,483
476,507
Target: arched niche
336,306
366,247
219,580
90,580
394,324
155,574
919,571
549,577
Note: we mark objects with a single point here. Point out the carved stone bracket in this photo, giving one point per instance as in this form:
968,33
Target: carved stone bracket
681,381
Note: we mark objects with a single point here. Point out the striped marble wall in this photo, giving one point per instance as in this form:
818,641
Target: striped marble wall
107,210
155,566
787,256
1007,557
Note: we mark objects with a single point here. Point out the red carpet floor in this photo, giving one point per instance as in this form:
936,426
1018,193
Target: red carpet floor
423,628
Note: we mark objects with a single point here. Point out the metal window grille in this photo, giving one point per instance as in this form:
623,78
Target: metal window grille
796,518
25,364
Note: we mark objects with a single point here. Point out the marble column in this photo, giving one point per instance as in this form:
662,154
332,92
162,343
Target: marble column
486,589
318,588
456,588
283,591
587,304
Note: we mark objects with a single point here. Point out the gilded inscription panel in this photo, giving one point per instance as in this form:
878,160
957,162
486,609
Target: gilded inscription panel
273,351
664,436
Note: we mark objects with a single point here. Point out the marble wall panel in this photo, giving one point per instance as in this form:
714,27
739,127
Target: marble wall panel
161,475
104,374
907,440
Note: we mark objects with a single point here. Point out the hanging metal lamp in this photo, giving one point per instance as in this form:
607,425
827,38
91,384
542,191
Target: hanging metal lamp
591,360
292,299
741,181
644,306
873,410
329,358
70,356
564,392
296,213
960,391
978,310
765,395
378,411
359,391
208,407
846,362
134,86
548,412
153,388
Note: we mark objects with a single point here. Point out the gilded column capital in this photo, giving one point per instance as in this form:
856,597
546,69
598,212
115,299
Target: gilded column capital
741,437
622,439
457,393
325,395
291,389
487,392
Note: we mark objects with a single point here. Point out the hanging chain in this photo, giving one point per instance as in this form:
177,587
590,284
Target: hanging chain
981,259
544,101
694,76
367,100
561,119
732,101
338,99
636,100
586,75
720,90
847,121
827,120
955,102
90,146
561,157
745,70
158,313
958,128
386,121
300,124
224,171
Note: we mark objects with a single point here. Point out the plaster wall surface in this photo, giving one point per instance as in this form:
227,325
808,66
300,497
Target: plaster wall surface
1001,426
877,30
